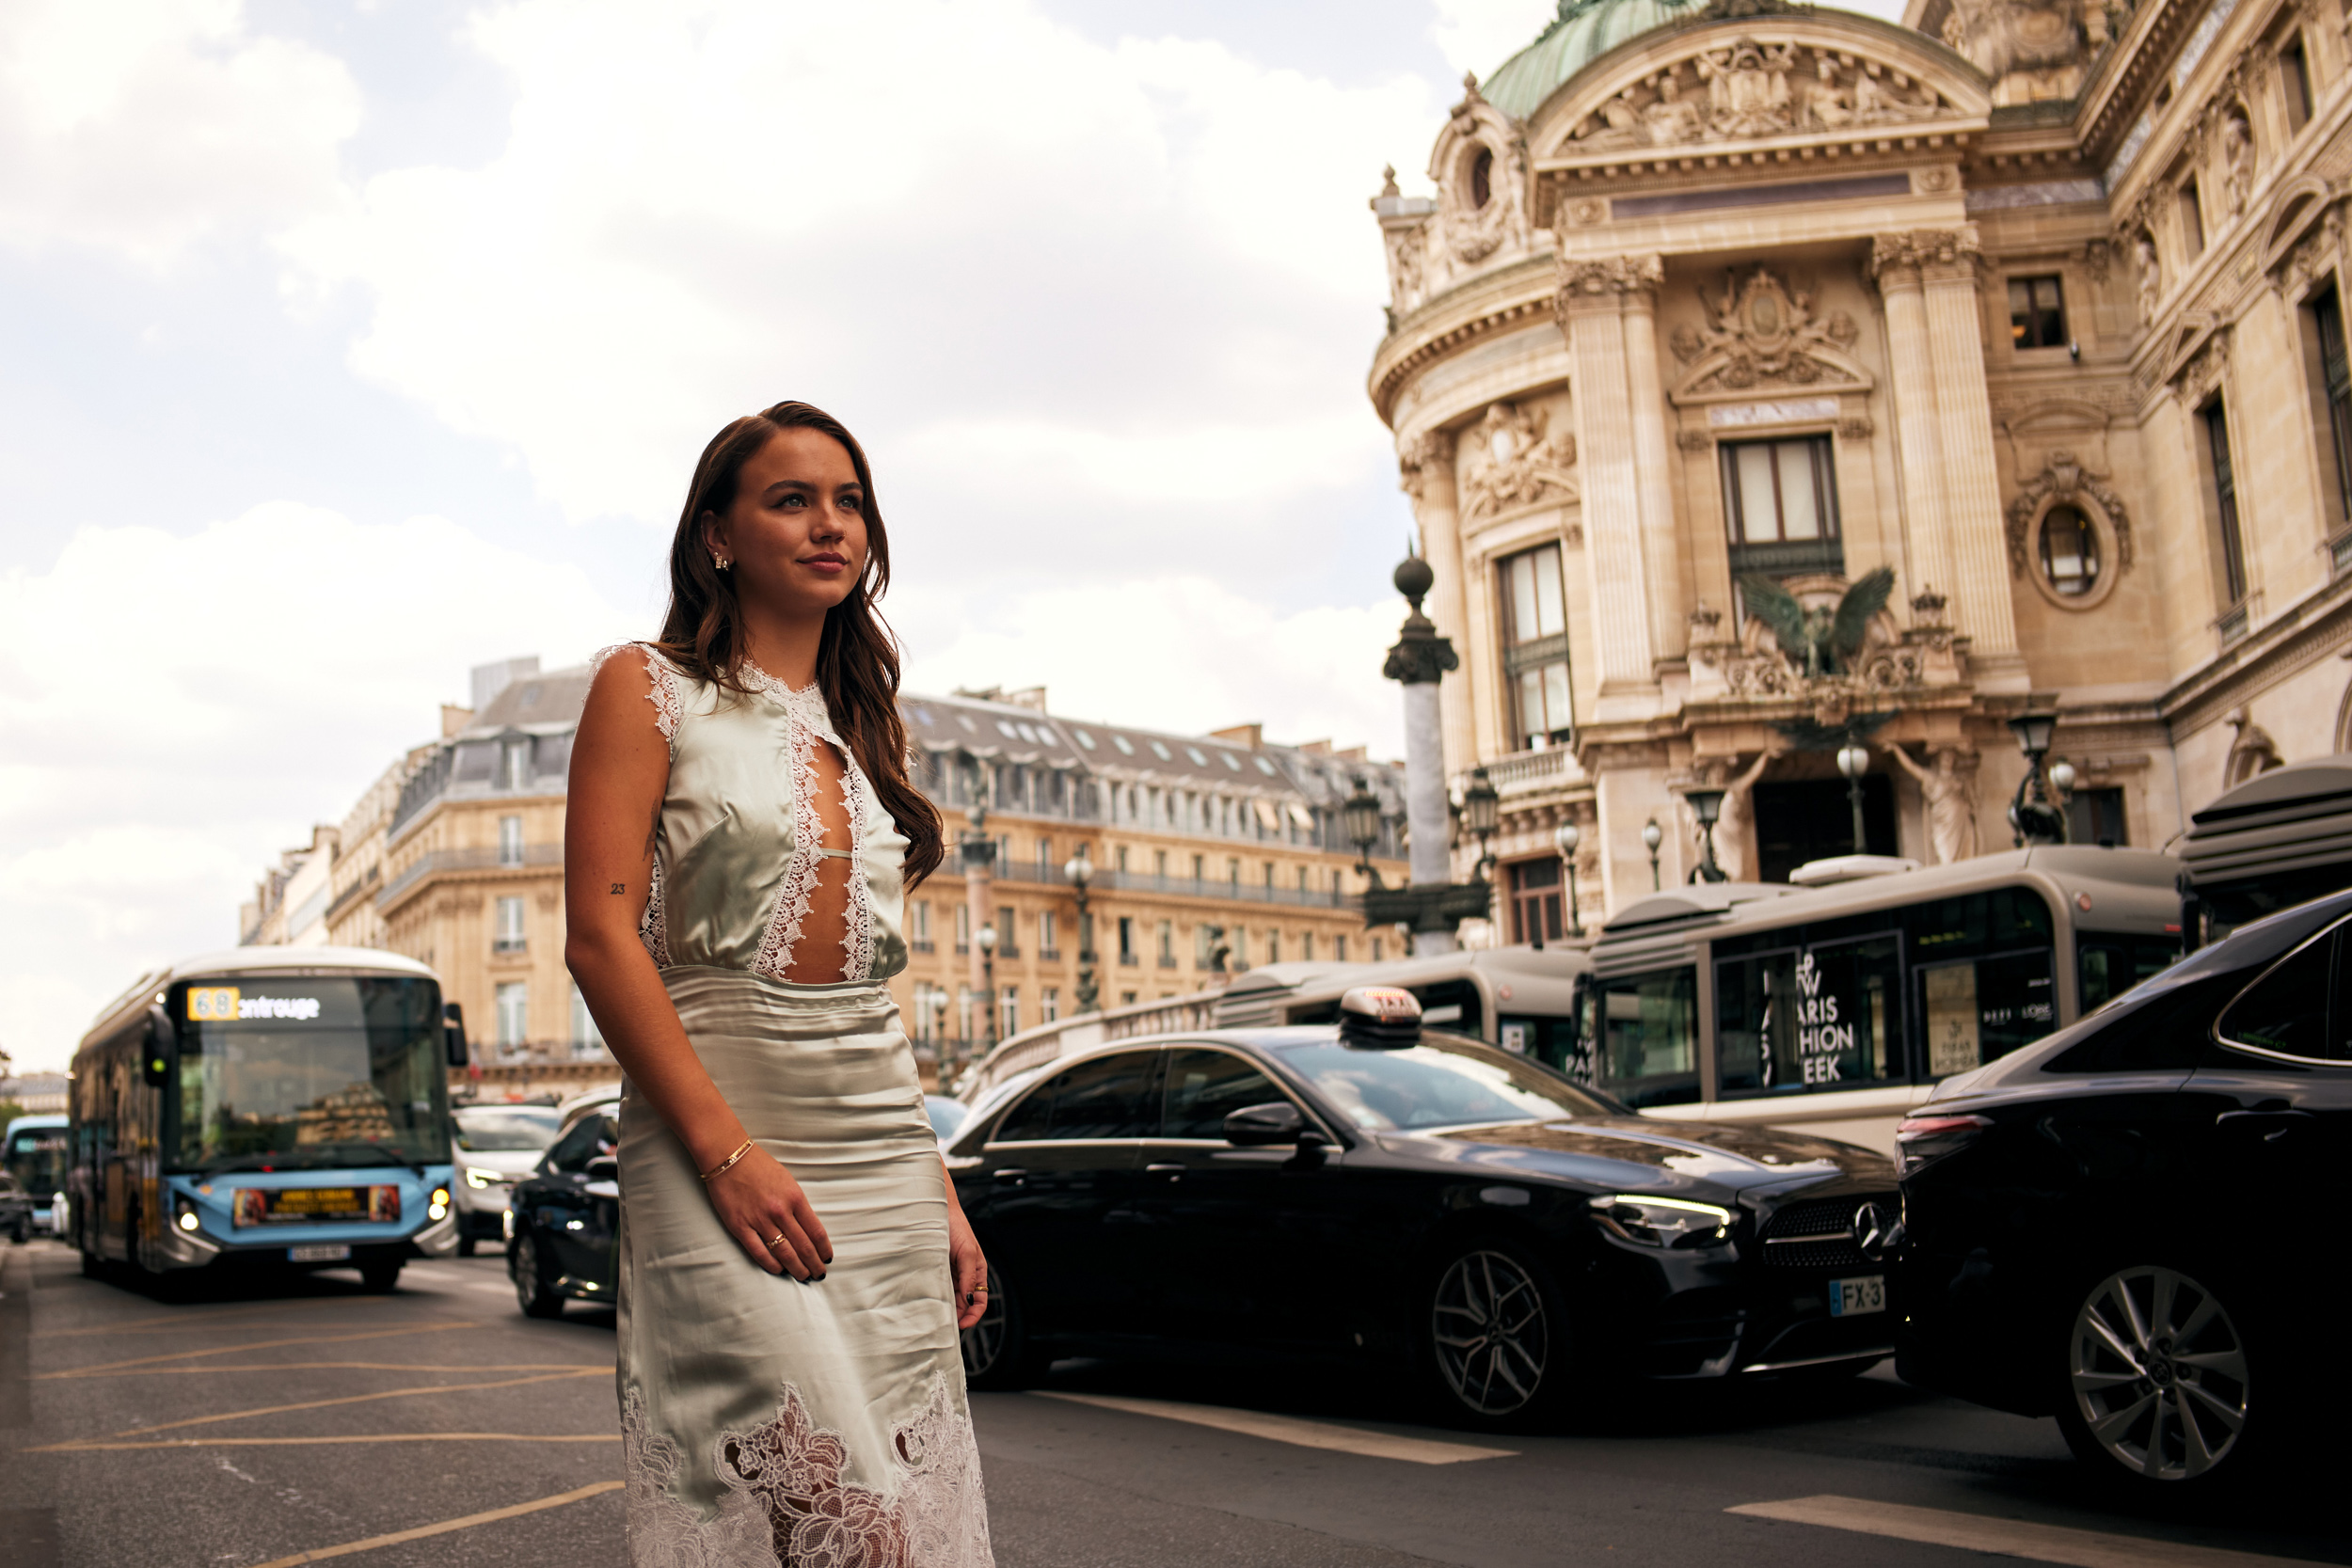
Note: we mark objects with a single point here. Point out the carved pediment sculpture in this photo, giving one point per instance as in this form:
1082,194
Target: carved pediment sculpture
2063,480
1510,464
1750,88
1480,167
2032,49
1759,329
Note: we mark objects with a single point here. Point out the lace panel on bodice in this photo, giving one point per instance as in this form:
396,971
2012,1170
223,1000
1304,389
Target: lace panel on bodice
786,1505
809,725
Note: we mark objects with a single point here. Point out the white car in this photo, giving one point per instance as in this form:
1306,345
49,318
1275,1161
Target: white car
495,1147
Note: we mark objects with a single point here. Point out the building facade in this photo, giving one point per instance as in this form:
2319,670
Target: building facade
2034,303
1212,854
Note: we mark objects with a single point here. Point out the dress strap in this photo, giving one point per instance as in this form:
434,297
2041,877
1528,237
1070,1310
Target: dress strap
836,854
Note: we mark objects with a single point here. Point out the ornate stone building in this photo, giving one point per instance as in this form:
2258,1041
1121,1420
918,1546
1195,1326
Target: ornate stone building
2034,303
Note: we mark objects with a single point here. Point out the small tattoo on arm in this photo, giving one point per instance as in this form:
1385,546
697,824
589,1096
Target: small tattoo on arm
618,887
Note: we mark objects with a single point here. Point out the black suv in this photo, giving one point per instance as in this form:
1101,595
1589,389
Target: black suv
566,1215
2130,1224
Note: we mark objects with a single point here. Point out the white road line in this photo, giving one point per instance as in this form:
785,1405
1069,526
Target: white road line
1290,1429
1977,1532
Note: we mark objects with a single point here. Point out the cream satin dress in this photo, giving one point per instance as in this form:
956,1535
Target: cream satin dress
765,1421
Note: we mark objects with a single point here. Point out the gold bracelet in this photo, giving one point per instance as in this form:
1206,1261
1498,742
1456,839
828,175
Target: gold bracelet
728,1164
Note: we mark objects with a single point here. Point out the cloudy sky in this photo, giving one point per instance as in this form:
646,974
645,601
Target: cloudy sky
344,346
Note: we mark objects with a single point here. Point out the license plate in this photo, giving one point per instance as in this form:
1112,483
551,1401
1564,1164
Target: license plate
317,1253
1852,1298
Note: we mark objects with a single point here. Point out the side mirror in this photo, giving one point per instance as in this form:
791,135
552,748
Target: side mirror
604,1168
1258,1126
454,1049
162,1046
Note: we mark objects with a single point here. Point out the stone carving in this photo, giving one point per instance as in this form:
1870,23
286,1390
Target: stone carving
2237,157
2033,50
1858,428
1949,791
1600,282
1418,454
2317,253
1735,818
1908,250
1695,440
2147,274
1408,250
1753,668
2062,481
1510,464
1750,88
1759,329
1480,165
2201,372
2093,259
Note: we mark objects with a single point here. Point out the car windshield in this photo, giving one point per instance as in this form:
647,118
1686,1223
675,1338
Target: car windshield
507,1129
1439,1083
948,1115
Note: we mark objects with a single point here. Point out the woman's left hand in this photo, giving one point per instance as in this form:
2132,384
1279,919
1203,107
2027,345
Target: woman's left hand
969,1266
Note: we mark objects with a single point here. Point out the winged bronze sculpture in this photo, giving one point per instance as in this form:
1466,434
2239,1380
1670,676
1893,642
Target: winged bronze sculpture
1818,641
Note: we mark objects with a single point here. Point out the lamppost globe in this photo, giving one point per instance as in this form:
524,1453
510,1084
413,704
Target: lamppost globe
1482,807
986,936
1852,760
1567,838
1078,869
1652,835
2062,777
1361,818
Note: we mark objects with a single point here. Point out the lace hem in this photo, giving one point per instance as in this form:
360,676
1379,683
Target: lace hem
786,1505
667,702
808,721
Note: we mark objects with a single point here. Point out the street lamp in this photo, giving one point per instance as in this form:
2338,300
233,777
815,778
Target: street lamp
2035,820
1482,815
1080,871
1652,837
1361,818
1707,804
1853,760
1567,838
986,938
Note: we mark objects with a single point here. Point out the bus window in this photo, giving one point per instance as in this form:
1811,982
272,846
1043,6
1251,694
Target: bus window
1806,1020
2110,963
1650,1043
1554,1041
1451,1004
1977,1012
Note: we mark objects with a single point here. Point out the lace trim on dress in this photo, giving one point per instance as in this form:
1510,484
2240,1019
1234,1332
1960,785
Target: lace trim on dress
786,1506
667,702
808,721
857,940
653,926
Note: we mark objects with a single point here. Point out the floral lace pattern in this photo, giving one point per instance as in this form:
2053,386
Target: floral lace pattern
653,926
785,1504
667,704
808,721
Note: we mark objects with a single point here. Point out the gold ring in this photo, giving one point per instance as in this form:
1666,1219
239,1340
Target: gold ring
774,1239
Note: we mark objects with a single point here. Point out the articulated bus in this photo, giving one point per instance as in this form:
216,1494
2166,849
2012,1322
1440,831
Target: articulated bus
1832,1009
33,1151
266,1107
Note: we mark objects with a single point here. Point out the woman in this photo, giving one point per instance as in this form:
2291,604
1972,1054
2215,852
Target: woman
794,1266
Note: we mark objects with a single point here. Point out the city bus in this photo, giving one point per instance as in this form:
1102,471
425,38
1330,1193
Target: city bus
33,1150
1523,999
1834,1008
266,1107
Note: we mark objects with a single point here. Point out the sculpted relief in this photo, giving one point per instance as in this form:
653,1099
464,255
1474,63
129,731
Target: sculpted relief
1749,88
1509,463
1760,330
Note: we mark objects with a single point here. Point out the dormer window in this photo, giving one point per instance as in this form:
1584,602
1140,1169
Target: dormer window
1482,178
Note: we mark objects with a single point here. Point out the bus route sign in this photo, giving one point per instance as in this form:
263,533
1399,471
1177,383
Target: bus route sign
315,1205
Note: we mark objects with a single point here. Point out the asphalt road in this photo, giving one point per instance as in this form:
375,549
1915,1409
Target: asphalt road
295,1425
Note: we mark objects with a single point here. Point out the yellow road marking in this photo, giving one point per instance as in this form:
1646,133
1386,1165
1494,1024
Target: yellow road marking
320,1554
261,1344
313,1442
194,1317
363,1398
341,1365
1978,1532
1290,1429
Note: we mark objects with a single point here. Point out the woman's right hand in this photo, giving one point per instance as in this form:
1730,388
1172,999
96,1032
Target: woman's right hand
758,1202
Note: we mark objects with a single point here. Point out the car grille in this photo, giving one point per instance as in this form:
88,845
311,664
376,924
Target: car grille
1819,1233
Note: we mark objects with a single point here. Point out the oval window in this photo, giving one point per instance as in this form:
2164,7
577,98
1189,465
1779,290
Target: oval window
2070,551
1482,178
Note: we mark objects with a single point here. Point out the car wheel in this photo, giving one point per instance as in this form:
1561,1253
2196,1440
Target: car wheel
2158,1379
1497,1336
533,1287
465,1247
20,1232
381,1279
996,1350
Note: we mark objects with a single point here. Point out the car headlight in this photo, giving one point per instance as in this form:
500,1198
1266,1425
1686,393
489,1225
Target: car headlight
1924,1137
1662,1221
477,1177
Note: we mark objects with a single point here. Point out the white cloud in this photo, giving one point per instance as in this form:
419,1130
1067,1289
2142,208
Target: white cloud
144,126
180,709
1480,35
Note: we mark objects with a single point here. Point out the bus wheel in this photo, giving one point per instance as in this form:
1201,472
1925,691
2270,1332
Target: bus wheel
382,1279
22,1231
465,1247
93,1266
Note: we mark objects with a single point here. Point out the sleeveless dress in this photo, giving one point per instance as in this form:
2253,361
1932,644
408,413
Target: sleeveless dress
765,1421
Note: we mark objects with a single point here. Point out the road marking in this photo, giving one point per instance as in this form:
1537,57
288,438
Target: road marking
261,1344
340,1366
320,1554
1978,1532
81,1446
363,1398
1290,1429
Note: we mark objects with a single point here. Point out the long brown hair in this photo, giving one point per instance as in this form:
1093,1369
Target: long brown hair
857,656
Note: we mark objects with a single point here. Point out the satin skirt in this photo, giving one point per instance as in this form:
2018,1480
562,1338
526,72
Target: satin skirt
769,1424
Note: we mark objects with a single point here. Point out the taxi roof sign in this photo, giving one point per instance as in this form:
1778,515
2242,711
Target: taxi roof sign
1382,1017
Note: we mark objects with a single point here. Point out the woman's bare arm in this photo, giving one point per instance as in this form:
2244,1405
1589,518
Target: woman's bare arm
620,770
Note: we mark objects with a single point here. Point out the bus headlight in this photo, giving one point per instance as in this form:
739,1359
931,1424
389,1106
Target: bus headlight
438,1207
184,1214
1662,1221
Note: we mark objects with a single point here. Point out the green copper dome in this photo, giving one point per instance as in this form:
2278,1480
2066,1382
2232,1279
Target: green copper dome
1584,31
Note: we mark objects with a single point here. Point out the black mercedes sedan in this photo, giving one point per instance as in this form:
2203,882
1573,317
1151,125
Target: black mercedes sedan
2130,1224
1369,1191
564,1220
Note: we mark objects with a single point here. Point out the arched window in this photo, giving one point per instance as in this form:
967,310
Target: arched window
2070,551
1482,176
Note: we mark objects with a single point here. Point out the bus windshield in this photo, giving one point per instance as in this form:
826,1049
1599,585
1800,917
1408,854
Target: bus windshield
36,1157
290,1073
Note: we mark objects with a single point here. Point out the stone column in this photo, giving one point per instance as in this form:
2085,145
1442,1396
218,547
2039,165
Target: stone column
1419,662
1654,460
1590,308
1918,426
1425,465
1979,586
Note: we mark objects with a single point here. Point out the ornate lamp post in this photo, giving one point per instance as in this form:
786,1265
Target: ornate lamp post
1080,871
1652,837
937,1002
1433,905
1853,760
985,940
1567,838
1707,805
2035,820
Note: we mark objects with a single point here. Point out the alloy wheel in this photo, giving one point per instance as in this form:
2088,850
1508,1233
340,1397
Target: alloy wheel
984,1341
527,1274
2159,1373
1492,1335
